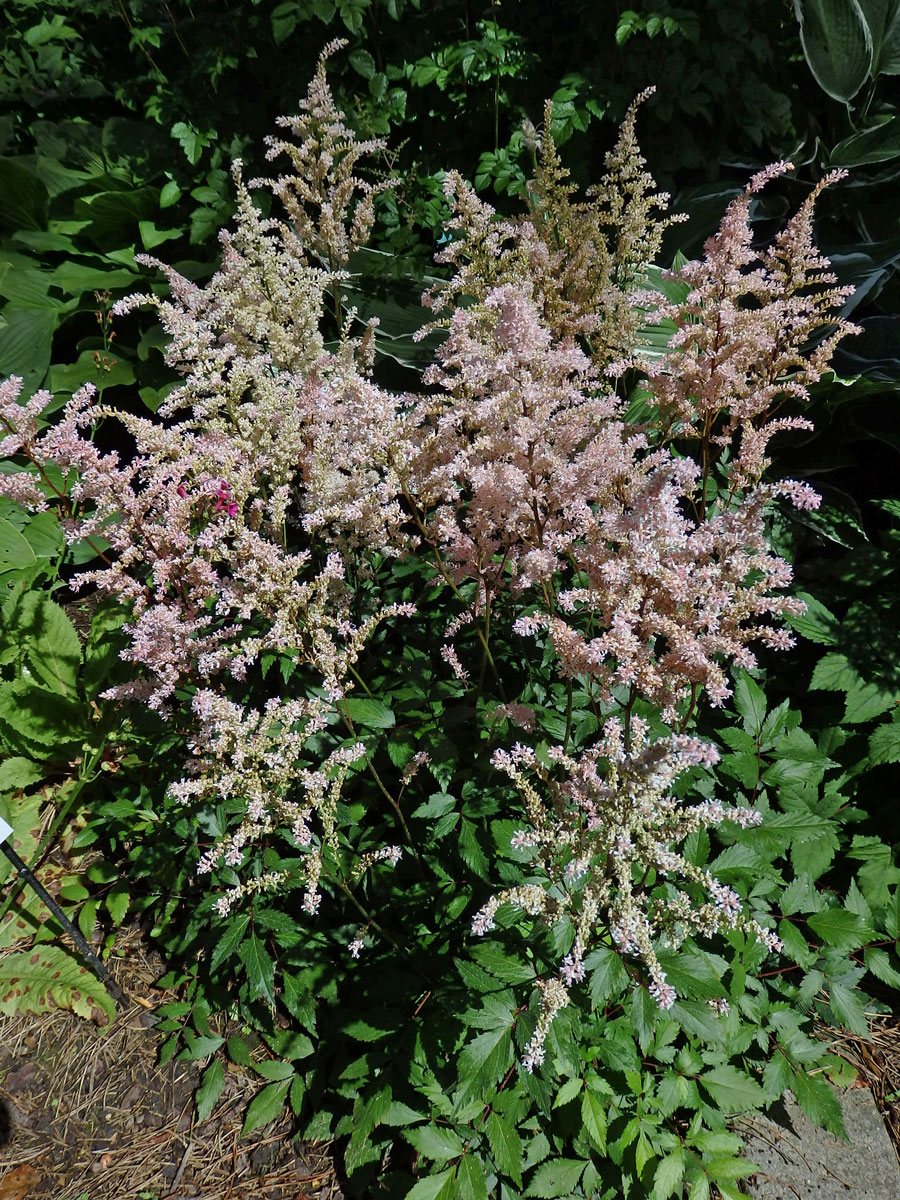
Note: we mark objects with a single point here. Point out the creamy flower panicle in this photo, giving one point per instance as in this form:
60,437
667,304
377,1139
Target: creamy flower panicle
632,555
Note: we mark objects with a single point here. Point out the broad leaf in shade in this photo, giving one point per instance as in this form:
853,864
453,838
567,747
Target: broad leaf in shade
837,44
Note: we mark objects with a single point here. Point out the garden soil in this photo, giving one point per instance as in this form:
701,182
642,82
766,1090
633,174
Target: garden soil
87,1112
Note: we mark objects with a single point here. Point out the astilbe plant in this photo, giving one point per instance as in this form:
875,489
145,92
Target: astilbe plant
634,555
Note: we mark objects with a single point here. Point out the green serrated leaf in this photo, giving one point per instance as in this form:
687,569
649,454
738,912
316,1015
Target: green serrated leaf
848,1008
819,1102
38,723
568,1092
840,928
668,1176
593,1118
117,902
470,851
371,714
435,1141
471,1179
265,1106
211,1083
608,977
506,1147
441,1186
732,1089
230,939
19,773
559,1177
260,968
884,744
750,701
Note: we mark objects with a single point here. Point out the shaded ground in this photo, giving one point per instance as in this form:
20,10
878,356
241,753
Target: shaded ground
88,1113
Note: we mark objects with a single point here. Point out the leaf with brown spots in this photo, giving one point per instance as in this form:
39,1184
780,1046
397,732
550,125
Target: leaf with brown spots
34,980
18,1183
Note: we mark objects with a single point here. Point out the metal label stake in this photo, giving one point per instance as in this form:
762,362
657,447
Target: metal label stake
81,944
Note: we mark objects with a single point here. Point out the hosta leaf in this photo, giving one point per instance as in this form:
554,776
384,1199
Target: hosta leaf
881,143
883,19
26,342
24,200
16,553
837,43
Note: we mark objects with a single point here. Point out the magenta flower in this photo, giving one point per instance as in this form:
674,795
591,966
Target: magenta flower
224,502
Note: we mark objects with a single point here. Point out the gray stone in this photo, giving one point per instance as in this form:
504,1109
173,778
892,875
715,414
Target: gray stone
800,1161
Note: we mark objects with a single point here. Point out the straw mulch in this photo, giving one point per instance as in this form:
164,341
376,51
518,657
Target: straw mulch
87,1113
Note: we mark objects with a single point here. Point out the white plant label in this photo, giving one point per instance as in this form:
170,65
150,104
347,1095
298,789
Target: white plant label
5,830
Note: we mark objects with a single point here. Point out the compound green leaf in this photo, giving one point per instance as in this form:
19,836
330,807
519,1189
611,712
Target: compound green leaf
840,928
434,1187
669,1173
260,968
372,714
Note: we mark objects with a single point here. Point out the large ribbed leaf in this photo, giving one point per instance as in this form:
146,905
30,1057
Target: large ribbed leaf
24,202
878,144
837,44
883,19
